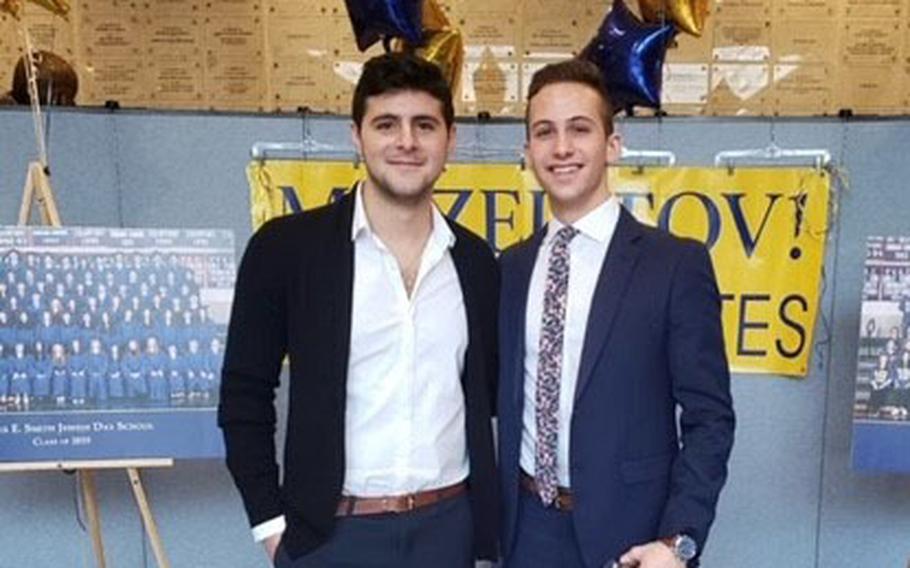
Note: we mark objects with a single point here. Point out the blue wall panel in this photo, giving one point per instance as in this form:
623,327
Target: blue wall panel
792,499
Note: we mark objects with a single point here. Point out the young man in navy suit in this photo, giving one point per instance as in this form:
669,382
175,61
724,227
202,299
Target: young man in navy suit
387,313
618,328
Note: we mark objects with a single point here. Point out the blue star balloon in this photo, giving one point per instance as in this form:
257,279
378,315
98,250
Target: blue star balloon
630,54
377,19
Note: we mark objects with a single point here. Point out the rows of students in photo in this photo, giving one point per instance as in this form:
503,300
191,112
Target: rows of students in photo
887,283
890,382
60,289
51,330
143,372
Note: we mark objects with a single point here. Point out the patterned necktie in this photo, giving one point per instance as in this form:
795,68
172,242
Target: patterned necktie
549,364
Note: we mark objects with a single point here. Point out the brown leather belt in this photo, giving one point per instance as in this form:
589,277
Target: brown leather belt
350,505
564,500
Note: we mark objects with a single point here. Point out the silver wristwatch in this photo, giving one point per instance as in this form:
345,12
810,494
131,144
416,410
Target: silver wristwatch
683,546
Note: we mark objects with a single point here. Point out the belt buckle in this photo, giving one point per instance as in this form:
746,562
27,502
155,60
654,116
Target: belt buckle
410,502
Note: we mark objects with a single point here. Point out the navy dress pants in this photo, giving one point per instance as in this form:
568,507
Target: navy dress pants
545,537
438,536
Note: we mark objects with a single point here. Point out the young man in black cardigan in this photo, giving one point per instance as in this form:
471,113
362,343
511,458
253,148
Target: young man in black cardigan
386,312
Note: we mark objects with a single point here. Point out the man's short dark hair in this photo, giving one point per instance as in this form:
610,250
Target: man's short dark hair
578,71
392,72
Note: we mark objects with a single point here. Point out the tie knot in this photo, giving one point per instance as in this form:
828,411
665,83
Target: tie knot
565,235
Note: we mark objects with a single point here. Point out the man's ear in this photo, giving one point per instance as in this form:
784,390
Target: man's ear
452,140
355,138
614,149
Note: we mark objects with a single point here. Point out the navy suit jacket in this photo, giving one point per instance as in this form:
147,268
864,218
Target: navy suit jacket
653,344
293,296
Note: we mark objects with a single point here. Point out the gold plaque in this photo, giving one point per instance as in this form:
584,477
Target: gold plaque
873,8
290,37
86,7
795,41
742,40
47,32
237,36
687,48
554,37
804,9
806,90
739,89
7,65
471,6
874,42
745,9
685,84
870,89
295,9
122,80
491,85
166,8
234,80
496,32
175,82
112,34
9,37
219,7
297,83
174,35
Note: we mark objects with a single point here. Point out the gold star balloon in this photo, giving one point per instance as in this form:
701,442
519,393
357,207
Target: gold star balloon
445,49
442,45
58,7
688,15
14,7
434,17
11,7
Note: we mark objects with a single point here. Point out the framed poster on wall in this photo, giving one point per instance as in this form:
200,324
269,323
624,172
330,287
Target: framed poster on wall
111,342
881,409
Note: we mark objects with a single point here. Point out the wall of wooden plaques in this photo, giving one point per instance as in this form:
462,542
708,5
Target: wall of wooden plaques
756,57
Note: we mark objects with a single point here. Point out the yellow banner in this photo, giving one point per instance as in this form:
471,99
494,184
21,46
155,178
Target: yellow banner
765,229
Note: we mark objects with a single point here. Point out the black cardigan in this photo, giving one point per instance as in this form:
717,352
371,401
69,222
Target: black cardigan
293,296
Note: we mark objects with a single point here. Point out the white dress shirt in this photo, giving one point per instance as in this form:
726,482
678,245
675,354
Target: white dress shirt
588,250
405,414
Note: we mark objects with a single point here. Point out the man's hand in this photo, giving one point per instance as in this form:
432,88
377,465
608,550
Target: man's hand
271,546
651,555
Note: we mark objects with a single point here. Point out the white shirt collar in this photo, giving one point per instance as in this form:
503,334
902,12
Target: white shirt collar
441,237
597,224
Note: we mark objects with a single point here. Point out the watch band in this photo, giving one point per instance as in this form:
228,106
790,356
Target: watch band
682,546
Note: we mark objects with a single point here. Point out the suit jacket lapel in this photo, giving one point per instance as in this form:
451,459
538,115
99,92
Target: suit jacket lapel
469,293
524,267
612,284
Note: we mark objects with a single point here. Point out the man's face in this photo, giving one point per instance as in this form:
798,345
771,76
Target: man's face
568,149
404,142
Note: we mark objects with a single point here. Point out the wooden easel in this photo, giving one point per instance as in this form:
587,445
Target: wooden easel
38,188
85,471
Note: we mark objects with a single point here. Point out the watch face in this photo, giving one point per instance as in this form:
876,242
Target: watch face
686,548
